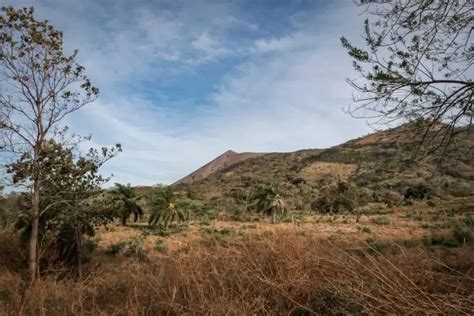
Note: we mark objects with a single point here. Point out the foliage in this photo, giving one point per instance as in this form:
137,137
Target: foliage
125,200
115,248
132,247
461,235
196,207
163,208
417,66
296,181
160,246
41,85
338,197
268,200
417,192
71,204
380,220
392,198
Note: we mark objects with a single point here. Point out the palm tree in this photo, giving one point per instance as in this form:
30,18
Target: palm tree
163,208
268,200
126,199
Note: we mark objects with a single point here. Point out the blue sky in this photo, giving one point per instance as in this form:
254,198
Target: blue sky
183,81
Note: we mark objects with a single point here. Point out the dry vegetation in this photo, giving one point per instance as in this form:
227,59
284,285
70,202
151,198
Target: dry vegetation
386,261
389,238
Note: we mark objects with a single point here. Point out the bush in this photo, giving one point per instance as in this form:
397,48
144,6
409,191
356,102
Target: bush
132,247
297,181
339,197
161,246
416,192
116,248
392,198
461,235
381,220
364,229
469,220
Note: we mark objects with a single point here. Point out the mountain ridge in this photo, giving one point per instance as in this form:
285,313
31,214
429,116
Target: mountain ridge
221,162
378,162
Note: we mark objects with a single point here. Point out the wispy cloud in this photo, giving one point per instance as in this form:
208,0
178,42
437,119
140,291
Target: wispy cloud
252,83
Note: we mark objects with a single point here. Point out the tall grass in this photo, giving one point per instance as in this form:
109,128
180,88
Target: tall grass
285,273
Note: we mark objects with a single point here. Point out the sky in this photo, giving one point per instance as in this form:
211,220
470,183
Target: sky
183,81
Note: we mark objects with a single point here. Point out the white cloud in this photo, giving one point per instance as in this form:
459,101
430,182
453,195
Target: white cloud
297,40
210,46
286,95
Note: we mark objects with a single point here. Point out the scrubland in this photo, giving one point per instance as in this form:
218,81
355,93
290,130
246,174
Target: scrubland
415,259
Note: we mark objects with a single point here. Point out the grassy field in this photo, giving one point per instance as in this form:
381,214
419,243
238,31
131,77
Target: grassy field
410,259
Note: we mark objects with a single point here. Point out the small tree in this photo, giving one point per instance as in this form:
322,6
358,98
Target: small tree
417,66
125,199
40,86
70,204
338,197
163,208
268,200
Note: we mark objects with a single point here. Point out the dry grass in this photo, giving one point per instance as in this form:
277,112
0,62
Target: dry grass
321,170
281,273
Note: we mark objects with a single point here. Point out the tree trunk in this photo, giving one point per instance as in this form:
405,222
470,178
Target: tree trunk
79,241
33,242
274,215
124,221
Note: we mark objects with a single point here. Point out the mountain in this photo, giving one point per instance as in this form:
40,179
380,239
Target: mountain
223,161
376,163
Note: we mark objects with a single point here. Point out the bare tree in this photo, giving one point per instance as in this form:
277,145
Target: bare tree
417,66
39,86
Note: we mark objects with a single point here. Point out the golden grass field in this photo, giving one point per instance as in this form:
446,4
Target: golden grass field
400,261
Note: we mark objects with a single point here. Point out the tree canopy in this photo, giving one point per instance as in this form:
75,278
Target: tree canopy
70,204
417,66
125,199
268,200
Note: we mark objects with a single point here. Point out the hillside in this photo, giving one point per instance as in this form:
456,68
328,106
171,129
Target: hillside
223,161
376,163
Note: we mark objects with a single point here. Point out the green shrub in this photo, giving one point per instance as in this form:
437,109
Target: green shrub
297,181
213,230
339,197
134,247
392,198
90,244
430,226
364,229
415,215
469,220
461,235
160,246
440,240
205,222
380,220
115,248
416,192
